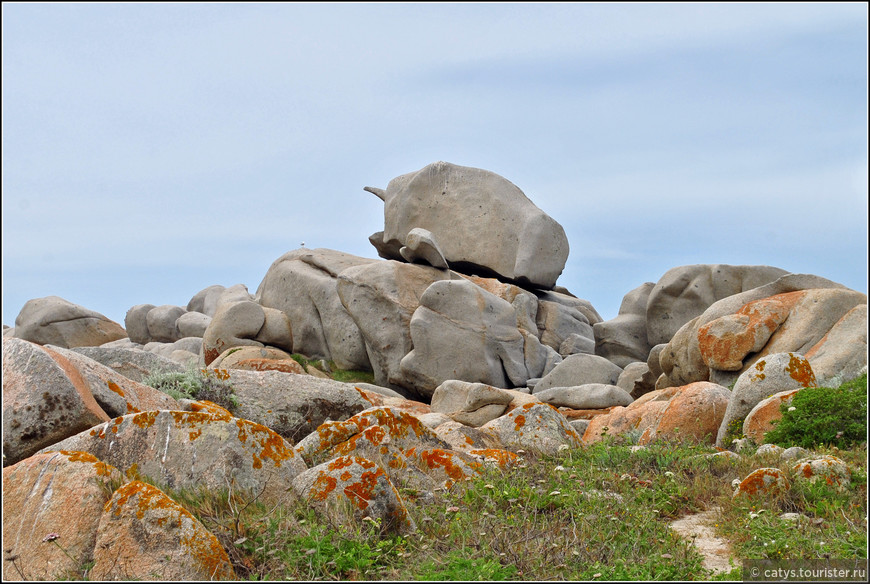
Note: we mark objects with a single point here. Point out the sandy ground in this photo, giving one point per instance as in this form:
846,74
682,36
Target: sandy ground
699,529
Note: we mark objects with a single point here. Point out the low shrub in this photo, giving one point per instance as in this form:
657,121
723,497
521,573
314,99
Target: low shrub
824,415
195,384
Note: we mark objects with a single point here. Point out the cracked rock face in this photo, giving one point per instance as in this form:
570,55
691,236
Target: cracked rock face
477,220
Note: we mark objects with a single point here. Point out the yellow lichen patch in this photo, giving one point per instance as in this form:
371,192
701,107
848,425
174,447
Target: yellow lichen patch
206,551
115,387
207,407
131,409
799,369
76,456
143,419
194,434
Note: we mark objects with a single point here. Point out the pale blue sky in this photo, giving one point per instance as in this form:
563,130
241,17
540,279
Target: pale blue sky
152,150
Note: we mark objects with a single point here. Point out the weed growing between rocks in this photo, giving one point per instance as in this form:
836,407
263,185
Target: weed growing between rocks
195,384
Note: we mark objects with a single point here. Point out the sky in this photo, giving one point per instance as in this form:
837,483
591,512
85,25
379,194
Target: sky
152,150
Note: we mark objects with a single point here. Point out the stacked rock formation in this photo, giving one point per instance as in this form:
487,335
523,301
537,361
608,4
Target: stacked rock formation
477,356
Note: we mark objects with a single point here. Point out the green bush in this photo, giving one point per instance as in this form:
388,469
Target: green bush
193,384
824,415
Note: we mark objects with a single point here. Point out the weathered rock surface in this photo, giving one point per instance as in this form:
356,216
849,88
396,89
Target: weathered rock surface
381,298
533,427
293,405
61,493
841,354
245,323
771,375
146,535
693,411
192,450
116,394
814,306
461,331
303,285
623,340
589,396
361,483
685,292
472,404
580,369
134,364
45,399
55,321
479,220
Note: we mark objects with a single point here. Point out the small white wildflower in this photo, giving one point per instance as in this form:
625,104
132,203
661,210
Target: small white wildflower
792,408
559,468
753,515
563,447
488,486
554,493
669,473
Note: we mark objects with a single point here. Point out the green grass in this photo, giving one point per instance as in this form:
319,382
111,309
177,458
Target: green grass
596,513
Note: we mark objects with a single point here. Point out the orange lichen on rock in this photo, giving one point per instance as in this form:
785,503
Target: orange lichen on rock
519,421
363,491
800,370
766,481
114,387
323,486
143,419
503,458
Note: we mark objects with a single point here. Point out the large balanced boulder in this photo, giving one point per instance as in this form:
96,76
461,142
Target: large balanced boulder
480,222
55,321
303,285
580,369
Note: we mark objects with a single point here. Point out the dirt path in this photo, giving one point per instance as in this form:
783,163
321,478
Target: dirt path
698,528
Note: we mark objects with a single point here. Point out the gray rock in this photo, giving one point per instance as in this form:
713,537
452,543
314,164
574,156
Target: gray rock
381,297
631,376
623,339
479,220
55,321
534,427
420,246
134,364
460,331
580,369
303,285
116,394
293,405
245,323
206,301
557,322
590,396
192,324
161,323
575,343
137,325
471,404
